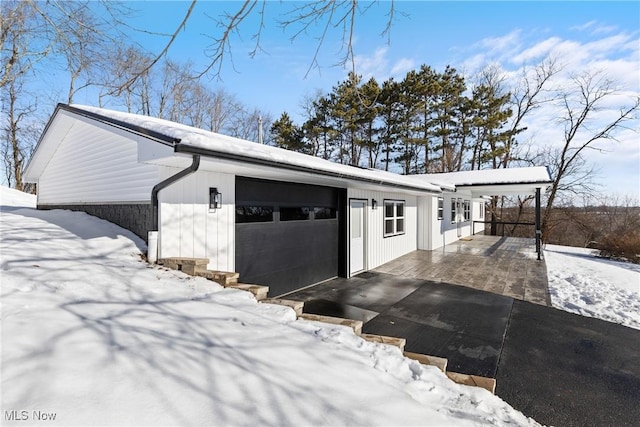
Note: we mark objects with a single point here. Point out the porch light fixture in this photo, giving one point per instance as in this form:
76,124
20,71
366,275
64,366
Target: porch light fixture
374,204
215,198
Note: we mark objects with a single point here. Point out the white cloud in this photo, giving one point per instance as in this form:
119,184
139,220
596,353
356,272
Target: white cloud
501,44
615,55
374,65
378,65
402,66
594,27
584,26
537,51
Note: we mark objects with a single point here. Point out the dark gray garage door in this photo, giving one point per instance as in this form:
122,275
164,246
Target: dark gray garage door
287,235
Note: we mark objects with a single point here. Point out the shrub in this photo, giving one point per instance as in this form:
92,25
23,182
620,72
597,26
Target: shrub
623,246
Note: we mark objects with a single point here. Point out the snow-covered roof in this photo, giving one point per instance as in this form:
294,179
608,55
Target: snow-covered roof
192,139
179,139
525,175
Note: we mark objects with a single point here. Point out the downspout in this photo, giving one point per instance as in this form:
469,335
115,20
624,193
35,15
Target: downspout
152,251
538,227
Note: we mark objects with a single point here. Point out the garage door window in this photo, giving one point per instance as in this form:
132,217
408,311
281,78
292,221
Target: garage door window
393,217
294,214
247,214
324,213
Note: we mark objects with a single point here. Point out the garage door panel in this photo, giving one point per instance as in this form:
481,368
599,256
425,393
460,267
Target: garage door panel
286,255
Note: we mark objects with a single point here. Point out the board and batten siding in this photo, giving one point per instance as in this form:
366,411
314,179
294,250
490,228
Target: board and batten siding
444,231
188,228
95,165
427,220
380,249
477,207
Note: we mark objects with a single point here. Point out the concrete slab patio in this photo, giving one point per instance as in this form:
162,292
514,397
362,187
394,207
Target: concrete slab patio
502,265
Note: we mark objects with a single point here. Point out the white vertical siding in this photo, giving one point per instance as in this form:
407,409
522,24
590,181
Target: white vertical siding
444,231
188,228
95,165
427,211
379,249
477,207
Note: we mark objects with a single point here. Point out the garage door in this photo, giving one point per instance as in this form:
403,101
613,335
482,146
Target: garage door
287,235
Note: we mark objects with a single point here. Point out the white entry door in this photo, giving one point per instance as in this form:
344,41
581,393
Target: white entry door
356,232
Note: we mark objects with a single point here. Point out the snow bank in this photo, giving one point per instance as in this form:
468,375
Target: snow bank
92,335
581,283
14,198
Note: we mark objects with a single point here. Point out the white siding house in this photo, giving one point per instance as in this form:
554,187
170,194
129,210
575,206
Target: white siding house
279,218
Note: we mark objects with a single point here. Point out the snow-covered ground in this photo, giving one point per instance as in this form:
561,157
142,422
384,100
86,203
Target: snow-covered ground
580,282
92,335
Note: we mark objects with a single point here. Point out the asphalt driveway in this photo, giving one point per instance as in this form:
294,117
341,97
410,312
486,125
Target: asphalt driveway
557,367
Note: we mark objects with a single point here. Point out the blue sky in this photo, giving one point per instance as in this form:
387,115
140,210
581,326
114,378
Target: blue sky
465,35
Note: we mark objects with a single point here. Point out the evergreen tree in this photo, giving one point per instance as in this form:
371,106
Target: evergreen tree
391,114
285,134
448,100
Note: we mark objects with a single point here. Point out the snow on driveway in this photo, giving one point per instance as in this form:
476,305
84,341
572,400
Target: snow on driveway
581,283
93,335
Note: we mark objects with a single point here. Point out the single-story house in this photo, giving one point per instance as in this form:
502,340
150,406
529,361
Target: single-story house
278,218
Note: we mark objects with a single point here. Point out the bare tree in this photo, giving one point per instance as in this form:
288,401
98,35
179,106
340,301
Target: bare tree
531,92
19,31
302,19
581,107
17,140
244,124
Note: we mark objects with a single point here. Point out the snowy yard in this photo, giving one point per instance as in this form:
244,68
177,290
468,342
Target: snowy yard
92,335
581,283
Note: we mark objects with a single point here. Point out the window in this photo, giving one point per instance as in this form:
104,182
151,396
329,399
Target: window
294,214
393,217
246,214
481,210
440,207
453,209
467,210
324,213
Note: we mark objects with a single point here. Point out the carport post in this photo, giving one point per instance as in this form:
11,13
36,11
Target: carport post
538,230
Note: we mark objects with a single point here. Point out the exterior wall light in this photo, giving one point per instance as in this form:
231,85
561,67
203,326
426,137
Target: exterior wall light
215,198
374,204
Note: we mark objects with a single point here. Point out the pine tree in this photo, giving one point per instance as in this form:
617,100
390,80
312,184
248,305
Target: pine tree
285,134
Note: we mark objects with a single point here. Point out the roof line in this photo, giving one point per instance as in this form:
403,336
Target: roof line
148,133
504,183
182,148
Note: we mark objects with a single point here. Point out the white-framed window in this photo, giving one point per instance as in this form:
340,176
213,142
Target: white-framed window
393,217
467,210
454,210
481,210
440,208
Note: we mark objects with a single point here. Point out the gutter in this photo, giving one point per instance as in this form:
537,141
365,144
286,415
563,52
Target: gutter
167,182
181,148
152,246
147,133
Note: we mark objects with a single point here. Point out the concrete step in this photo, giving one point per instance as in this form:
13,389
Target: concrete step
297,306
224,278
474,380
356,325
438,362
259,291
381,339
185,264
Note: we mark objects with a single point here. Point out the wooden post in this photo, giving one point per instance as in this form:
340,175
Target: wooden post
538,230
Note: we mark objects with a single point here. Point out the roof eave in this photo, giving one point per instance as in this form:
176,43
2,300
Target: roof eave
189,149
